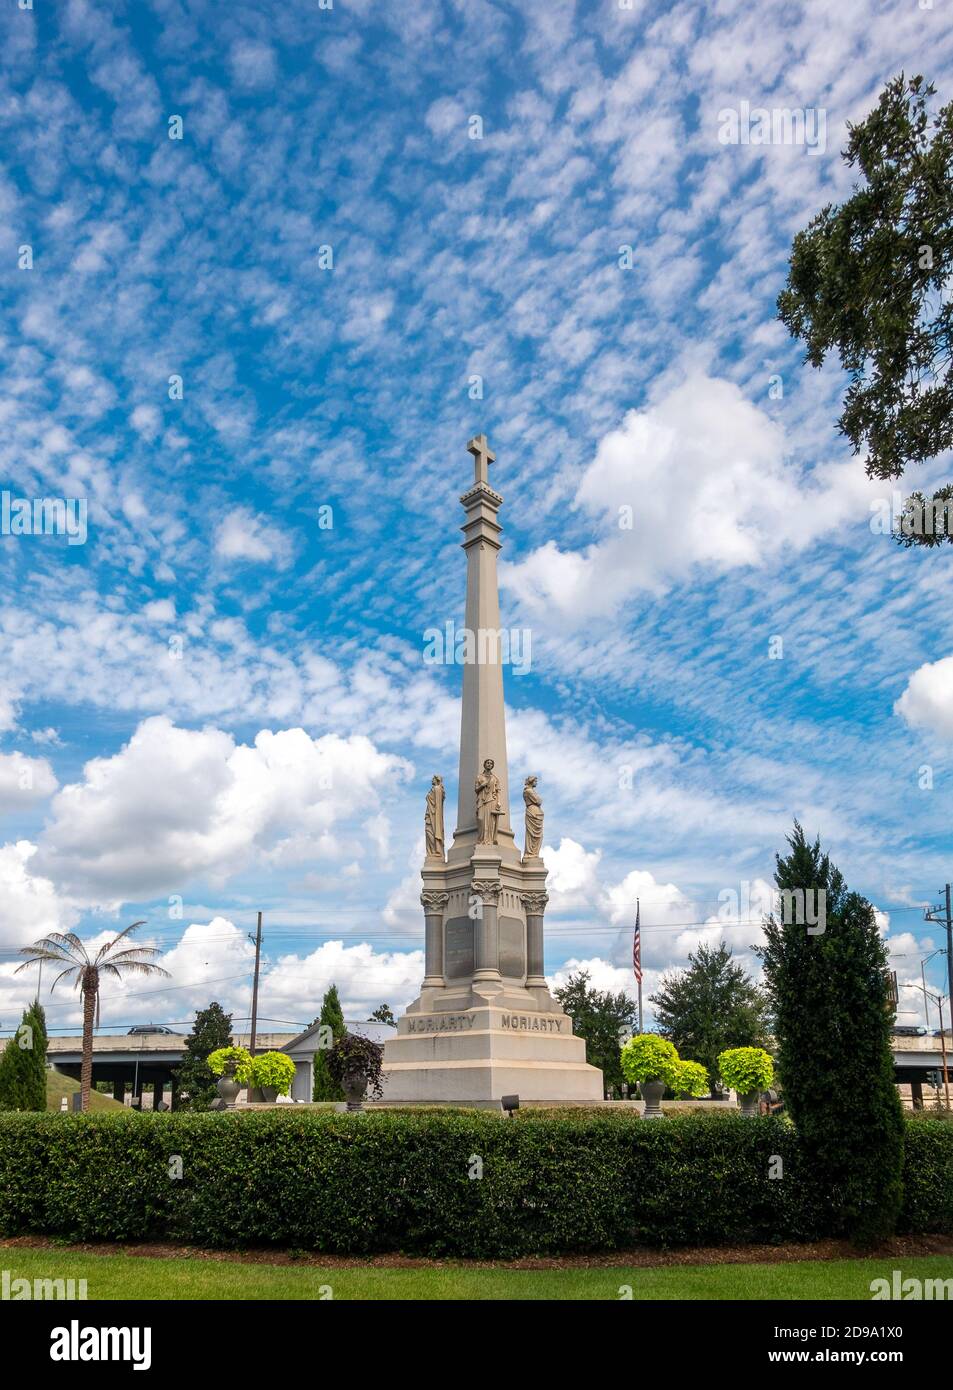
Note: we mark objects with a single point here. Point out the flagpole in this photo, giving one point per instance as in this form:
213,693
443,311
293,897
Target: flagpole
637,956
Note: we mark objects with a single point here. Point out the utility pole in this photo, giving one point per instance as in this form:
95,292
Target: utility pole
254,994
923,985
932,914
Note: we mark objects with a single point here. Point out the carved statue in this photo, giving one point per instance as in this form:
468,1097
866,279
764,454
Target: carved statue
534,819
433,820
489,807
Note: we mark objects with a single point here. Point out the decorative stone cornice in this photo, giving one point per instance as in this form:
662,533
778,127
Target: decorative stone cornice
433,901
535,903
488,889
482,492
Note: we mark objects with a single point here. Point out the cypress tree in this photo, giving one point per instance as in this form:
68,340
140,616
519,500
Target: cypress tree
23,1064
331,1015
830,1000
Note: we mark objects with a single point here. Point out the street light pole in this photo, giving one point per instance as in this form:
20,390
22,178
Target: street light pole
949,951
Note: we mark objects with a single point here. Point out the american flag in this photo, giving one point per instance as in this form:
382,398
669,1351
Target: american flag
637,946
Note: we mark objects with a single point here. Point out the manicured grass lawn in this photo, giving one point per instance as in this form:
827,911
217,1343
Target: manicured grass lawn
58,1085
139,1277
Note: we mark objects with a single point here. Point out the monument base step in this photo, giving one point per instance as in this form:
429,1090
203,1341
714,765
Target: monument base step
474,1082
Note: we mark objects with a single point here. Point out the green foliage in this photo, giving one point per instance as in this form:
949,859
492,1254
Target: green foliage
870,280
383,1014
691,1079
354,1055
712,1005
231,1061
927,1175
602,1018
273,1069
553,1180
830,1001
332,1016
194,1080
23,1064
746,1069
647,1057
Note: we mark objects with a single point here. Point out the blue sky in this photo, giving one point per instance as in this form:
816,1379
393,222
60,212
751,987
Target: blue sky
218,703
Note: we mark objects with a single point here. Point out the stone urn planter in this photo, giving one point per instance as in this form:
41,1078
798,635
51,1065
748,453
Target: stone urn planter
228,1088
355,1089
269,1094
652,1093
749,1071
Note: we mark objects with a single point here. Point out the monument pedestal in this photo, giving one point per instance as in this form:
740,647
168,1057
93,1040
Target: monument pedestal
484,1053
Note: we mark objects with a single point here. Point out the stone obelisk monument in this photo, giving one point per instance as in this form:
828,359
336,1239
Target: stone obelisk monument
485,1024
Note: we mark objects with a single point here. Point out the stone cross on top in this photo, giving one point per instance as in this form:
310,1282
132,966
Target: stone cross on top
483,456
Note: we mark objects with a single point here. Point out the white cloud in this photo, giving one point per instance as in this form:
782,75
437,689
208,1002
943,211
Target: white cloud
145,420
48,735
573,874
295,985
662,900
177,804
252,63
698,480
160,610
602,975
31,905
927,702
444,116
24,781
242,535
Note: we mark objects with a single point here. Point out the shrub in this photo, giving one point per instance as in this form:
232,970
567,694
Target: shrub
272,1069
391,1180
356,1055
746,1069
231,1061
927,1175
691,1079
647,1057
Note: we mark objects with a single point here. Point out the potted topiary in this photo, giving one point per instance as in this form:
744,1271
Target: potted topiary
691,1079
652,1063
272,1073
749,1071
355,1063
232,1066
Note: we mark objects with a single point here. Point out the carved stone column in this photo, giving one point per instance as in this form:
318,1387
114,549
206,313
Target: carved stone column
535,905
433,905
486,943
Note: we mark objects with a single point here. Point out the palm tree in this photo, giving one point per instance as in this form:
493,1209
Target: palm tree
66,949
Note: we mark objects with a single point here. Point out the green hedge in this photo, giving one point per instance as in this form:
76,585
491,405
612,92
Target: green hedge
399,1180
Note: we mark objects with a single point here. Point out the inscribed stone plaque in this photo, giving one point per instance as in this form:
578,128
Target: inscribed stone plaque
512,951
458,957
